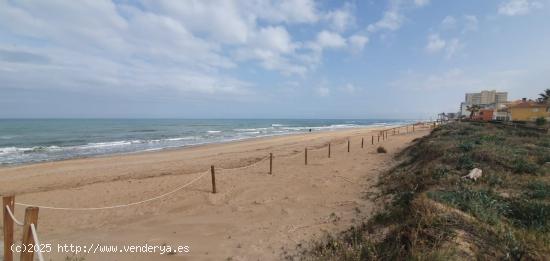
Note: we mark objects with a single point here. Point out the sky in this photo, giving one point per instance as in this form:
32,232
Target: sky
405,59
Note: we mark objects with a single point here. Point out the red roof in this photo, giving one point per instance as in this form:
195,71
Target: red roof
527,104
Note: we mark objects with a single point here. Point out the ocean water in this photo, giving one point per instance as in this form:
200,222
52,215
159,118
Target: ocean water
29,141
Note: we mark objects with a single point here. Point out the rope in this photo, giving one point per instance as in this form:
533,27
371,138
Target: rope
246,166
119,206
13,217
37,243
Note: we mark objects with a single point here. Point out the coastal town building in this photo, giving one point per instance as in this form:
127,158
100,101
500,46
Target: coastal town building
485,100
527,110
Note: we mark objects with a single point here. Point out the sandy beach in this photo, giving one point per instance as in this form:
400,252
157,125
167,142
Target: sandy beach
254,215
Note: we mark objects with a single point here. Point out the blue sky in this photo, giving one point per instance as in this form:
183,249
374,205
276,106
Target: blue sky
266,59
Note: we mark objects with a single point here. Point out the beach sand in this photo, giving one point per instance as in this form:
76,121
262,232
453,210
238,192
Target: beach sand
254,215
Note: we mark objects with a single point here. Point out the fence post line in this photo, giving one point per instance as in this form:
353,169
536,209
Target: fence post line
329,150
305,158
270,163
213,172
31,217
348,145
372,140
378,138
8,226
362,142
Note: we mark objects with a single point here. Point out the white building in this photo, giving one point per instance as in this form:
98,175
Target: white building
485,99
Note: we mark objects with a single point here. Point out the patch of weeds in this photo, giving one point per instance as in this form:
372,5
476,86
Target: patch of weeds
334,218
537,190
521,165
466,146
440,172
465,162
483,204
494,180
530,214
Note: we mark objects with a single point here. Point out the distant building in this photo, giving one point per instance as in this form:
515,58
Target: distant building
527,110
485,100
484,115
486,97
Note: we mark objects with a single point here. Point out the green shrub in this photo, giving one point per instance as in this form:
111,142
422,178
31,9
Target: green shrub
483,204
541,121
537,190
465,162
530,214
521,165
466,146
381,149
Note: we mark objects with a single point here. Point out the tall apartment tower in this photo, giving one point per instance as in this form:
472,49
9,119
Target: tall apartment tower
491,99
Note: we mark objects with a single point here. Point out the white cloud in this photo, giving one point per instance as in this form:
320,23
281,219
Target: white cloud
289,11
449,22
349,88
358,42
471,23
323,91
392,20
421,2
453,47
326,39
274,38
341,19
518,7
225,22
187,47
435,43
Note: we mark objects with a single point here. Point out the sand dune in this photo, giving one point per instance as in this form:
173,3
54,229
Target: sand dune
253,216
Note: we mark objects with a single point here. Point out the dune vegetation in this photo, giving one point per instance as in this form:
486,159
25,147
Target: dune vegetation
431,212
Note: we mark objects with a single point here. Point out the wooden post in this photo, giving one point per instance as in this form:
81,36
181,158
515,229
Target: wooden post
362,142
305,158
31,217
329,150
8,226
270,163
372,140
348,145
378,138
213,178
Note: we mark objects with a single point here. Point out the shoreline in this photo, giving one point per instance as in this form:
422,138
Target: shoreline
253,215
175,148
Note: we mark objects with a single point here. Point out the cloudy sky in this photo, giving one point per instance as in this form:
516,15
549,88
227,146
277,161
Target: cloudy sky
266,59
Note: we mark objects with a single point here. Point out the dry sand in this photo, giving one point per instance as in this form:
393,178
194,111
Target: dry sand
254,216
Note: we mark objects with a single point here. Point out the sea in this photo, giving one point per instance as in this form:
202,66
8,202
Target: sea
24,141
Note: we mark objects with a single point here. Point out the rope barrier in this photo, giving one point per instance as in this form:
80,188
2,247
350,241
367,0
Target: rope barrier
162,195
247,166
119,206
13,217
38,249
